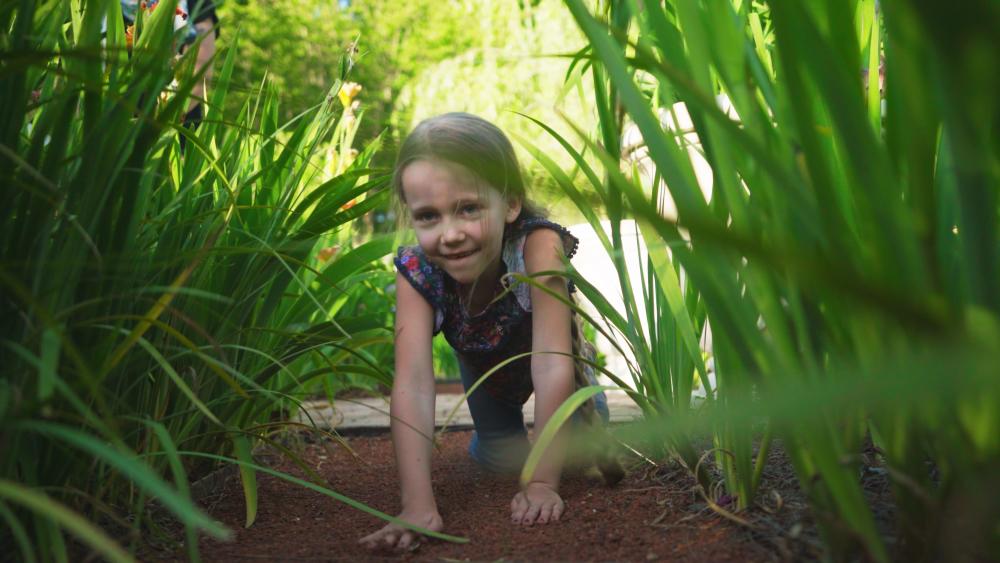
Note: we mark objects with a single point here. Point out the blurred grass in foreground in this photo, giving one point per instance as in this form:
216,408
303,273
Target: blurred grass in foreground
847,264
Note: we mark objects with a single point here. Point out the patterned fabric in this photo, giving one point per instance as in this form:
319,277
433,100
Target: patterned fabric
204,10
503,328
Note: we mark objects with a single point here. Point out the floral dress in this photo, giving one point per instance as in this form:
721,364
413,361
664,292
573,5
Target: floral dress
203,10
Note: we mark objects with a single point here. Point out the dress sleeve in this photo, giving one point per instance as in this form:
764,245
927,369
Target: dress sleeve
424,277
570,242
513,253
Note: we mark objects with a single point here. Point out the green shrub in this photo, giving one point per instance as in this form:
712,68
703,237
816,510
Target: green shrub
161,303
846,263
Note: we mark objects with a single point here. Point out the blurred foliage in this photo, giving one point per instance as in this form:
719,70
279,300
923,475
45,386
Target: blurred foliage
300,44
418,59
846,259
297,44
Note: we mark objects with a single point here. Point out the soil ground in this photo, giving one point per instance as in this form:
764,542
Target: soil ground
655,514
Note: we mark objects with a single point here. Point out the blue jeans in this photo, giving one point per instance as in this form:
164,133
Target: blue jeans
500,440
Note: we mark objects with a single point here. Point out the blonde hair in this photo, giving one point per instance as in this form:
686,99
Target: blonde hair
472,143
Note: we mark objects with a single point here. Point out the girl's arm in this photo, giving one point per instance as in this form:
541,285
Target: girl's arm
551,374
412,411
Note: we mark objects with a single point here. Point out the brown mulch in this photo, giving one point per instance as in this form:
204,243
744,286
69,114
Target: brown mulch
654,514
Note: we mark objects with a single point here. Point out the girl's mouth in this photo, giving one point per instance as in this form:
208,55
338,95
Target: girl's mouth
459,255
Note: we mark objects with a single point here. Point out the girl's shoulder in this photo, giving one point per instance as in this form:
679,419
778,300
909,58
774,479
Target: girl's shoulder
520,229
419,271
513,251
425,277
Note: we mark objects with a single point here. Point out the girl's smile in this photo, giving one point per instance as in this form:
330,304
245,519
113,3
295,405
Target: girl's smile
459,222
459,256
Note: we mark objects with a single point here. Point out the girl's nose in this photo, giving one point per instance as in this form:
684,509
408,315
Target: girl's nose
452,234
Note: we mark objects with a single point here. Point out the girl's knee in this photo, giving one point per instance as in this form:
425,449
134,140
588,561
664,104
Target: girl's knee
504,454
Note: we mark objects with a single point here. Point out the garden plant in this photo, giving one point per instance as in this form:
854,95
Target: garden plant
163,304
846,261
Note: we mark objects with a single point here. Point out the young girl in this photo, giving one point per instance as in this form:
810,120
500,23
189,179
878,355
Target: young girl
459,181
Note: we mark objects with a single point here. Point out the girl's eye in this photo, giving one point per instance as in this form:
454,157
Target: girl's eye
424,217
470,208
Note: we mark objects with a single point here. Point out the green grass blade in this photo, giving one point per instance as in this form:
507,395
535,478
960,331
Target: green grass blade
559,417
212,364
671,287
161,304
355,259
674,166
180,481
248,477
579,199
143,477
482,379
48,363
874,97
178,381
71,521
115,38
19,532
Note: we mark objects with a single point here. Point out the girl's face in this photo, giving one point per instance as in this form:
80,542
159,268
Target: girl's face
459,225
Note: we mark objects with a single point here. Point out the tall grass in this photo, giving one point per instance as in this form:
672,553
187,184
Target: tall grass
160,305
841,251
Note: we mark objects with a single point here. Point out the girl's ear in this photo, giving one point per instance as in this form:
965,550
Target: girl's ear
513,209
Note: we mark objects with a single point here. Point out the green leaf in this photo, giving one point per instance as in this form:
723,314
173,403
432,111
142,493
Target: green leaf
671,162
143,477
180,481
49,363
482,379
355,259
51,510
19,533
562,414
248,477
178,381
115,38
671,287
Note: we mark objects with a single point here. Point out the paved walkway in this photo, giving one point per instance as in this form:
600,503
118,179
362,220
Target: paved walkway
373,413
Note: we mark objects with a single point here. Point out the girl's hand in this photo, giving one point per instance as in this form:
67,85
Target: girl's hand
538,502
393,536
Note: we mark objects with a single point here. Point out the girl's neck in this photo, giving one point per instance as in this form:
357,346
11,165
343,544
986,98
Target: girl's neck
478,295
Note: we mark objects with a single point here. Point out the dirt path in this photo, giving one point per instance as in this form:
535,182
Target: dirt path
653,515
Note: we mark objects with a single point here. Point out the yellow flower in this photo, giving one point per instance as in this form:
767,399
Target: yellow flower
325,254
347,92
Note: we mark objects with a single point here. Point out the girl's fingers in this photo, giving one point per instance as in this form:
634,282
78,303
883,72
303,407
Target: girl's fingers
373,538
530,515
557,511
545,514
405,540
518,507
391,537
